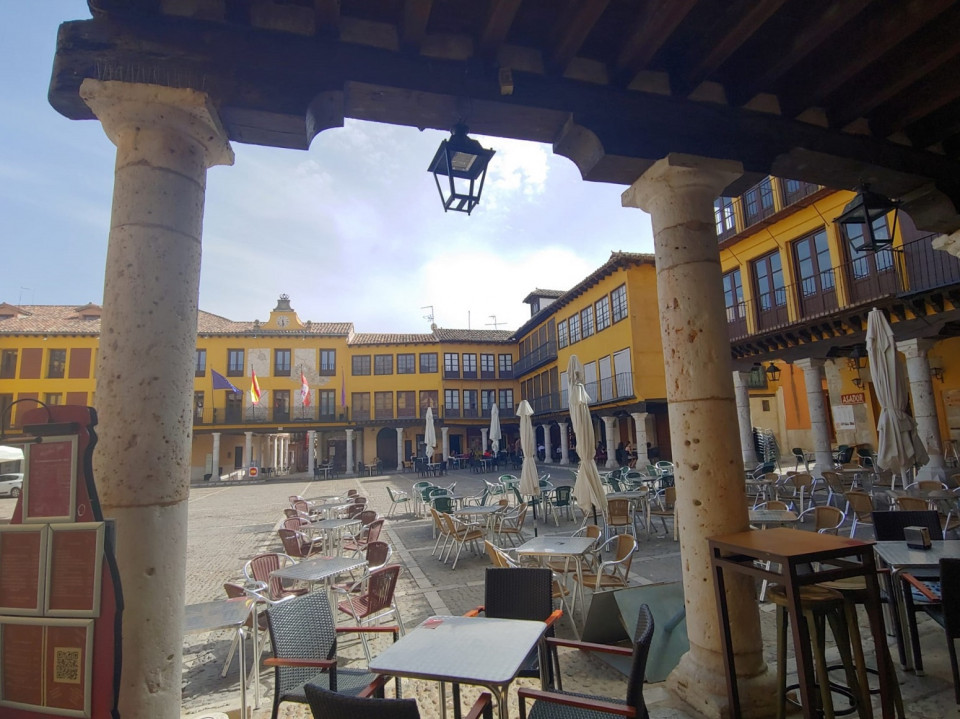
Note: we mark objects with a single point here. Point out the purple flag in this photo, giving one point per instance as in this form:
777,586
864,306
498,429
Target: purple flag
221,382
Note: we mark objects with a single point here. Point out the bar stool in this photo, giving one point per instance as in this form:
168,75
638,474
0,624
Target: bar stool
819,606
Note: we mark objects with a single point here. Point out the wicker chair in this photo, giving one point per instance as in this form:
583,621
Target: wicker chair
304,640
566,705
325,704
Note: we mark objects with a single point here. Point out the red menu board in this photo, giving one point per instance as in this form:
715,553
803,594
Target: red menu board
49,482
74,563
21,661
23,555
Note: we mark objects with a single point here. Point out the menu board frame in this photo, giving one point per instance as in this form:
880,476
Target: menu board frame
44,531
94,565
85,680
69,503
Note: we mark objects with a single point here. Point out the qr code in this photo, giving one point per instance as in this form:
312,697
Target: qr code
66,665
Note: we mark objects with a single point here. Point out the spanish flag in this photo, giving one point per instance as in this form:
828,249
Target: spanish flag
254,388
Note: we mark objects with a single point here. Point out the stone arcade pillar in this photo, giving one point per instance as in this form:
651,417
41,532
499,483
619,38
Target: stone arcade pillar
248,449
547,446
741,388
215,451
608,423
640,439
166,139
564,443
483,439
819,428
924,406
445,443
678,192
311,443
399,449
350,468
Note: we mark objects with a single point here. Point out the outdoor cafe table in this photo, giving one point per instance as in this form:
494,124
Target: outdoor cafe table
487,511
229,614
333,527
567,548
327,508
788,550
764,517
319,569
901,558
463,650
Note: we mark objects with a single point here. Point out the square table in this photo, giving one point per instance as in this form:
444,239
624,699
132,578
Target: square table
764,517
229,614
567,548
333,527
789,549
463,650
487,511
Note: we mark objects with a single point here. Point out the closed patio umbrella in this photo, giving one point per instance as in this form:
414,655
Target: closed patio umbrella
495,430
429,436
899,448
529,479
588,488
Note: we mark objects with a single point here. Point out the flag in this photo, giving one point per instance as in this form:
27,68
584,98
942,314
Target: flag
221,382
343,389
254,388
304,390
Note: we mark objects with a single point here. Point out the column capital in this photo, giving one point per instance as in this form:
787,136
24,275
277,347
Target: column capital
809,363
248,434
741,378
444,430
677,172
562,423
916,347
124,107
349,433
400,430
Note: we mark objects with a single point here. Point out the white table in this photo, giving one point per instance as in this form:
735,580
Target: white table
487,511
463,650
566,548
763,517
334,527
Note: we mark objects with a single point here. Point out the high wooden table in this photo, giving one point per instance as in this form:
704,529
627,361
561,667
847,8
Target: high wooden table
791,549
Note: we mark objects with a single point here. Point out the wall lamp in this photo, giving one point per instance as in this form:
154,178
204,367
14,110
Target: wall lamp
463,162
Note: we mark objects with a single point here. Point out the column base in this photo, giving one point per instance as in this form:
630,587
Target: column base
705,690
564,461
934,469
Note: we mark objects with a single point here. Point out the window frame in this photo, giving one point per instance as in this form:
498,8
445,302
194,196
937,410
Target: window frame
601,309
8,370
432,363
56,368
563,339
201,369
618,303
586,322
383,364
503,393
505,365
468,365
406,357
328,362
279,368
573,323
232,356
359,363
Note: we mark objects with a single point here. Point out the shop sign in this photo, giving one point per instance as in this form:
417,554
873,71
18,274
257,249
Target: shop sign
853,398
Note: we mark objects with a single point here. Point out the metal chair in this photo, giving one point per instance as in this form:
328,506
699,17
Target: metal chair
614,572
359,543
371,600
663,506
304,640
397,497
561,498
803,458
510,524
461,533
369,704
861,505
568,705
619,516
258,569
826,519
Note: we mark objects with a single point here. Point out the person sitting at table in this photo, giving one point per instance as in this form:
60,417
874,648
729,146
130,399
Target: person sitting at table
621,455
601,455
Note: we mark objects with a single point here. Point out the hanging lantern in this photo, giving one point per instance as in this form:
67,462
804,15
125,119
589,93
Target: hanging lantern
464,163
861,215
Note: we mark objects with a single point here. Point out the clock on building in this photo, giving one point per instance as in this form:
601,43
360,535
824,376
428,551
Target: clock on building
282,321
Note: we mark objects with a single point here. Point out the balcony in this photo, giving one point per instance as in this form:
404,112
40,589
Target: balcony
537,357
263,415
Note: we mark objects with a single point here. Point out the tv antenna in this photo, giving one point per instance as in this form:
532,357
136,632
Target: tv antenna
429,317
495,324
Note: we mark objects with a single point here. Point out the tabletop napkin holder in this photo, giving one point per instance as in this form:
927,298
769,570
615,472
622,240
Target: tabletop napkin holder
917,537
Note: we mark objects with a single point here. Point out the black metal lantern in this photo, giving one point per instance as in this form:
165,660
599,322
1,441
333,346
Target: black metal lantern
860,215
464,162
773,372
857,361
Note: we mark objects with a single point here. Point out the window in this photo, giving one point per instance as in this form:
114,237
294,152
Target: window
586,320
360,364
488,366
758,201
328,403
451,364
56,364
328,363
281,363
360,402
201,363
867,262
383,405
281,405
506,366
383,364
506,399
8,364
488,398
768,274
469,366
407,364
574,324
428,362
51,399
562,340
469,403
618,298
406,404
451,399
724,217
602,308
733,297
234,363
198,406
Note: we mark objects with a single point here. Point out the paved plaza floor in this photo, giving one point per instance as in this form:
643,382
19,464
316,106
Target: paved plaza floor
229,522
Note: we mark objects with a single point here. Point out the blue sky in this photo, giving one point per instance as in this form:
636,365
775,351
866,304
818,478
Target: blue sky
352,229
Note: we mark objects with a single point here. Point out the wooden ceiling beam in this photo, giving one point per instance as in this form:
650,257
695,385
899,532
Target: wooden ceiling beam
747,24
571,31
327,14
413,27
763,75
900,69
810,83
936,127
929,94
496,27
653,28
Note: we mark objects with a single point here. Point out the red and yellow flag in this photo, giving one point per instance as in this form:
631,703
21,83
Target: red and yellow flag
254,388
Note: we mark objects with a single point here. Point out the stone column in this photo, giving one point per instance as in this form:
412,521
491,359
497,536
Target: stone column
564,444
741,388
678,192
311,441
924,406
445,442
215,451
400,457
351,468
248,448
483,439
547,445
819,428
640,438
166,139
608,425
